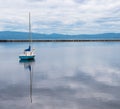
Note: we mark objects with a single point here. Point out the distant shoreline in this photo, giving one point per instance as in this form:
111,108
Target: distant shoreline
53,40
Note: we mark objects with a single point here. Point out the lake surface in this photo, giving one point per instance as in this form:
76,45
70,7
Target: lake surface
63,76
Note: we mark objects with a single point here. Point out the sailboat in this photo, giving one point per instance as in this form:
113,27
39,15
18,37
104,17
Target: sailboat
28,53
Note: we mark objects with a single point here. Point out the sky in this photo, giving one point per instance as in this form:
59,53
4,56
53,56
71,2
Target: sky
61,16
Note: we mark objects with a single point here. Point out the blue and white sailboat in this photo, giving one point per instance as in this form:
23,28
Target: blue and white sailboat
29,52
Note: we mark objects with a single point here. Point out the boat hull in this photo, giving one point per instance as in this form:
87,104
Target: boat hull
27,57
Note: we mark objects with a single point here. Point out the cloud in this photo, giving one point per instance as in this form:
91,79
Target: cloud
80,1
37,0
47,14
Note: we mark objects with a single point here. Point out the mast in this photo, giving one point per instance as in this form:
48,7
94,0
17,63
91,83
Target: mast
30,32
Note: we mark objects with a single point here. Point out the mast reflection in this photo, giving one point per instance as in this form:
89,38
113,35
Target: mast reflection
28,65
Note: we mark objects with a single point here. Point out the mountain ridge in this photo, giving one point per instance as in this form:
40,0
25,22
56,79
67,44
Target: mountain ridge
6,35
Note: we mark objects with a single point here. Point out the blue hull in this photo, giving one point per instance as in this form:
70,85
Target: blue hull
26,57
26,60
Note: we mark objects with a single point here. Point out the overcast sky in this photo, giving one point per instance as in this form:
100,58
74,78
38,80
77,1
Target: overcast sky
61,16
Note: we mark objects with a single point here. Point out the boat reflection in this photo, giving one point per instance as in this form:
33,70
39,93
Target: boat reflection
28,65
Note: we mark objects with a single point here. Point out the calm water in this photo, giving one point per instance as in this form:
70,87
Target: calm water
63,76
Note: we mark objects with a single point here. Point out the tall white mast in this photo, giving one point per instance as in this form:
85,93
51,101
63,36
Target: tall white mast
30,32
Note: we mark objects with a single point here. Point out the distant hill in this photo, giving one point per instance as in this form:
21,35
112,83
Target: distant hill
5,35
